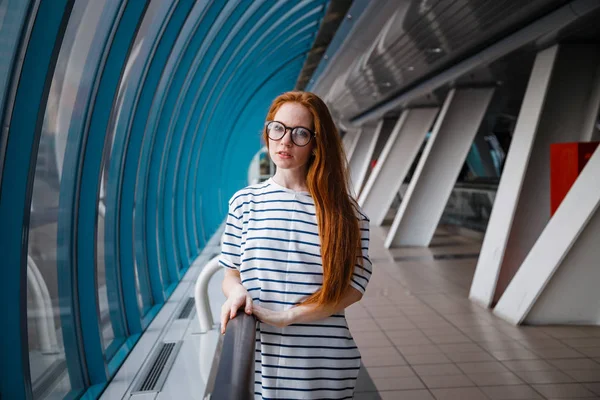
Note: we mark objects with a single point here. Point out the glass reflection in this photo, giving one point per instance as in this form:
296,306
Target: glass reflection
49,303
112,168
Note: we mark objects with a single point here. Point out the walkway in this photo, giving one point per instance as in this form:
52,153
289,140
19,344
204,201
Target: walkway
422,339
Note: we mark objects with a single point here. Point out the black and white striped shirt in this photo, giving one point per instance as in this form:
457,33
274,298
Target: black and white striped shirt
272,238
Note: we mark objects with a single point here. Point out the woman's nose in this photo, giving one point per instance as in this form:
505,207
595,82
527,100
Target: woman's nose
287,137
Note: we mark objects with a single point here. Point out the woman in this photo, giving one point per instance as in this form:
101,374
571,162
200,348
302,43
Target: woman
295,250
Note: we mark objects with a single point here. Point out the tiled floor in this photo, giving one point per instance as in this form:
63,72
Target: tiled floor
421,338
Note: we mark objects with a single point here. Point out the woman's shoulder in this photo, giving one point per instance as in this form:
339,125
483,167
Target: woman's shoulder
248,192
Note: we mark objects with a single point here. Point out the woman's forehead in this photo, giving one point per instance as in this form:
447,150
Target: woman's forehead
293,114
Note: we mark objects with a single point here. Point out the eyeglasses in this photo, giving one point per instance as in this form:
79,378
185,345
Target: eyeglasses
300,136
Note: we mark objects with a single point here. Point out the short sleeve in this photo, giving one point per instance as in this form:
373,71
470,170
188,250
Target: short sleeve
232,238
362,273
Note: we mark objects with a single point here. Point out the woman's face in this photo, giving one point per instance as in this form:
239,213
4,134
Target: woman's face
284,153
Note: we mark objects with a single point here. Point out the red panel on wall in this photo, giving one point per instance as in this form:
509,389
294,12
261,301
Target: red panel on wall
566,163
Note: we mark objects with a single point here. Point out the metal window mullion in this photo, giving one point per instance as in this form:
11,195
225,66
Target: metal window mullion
242,148
173,23
211,201
156,273
33,79
228,32
247,89
126,159
161,140
93,157
172,123
122,275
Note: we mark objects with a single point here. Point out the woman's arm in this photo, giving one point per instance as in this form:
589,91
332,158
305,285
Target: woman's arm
306,313
237,297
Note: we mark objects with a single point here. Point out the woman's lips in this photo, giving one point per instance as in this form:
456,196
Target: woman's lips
283,154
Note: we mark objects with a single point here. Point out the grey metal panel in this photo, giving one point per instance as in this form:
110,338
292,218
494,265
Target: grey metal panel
426,36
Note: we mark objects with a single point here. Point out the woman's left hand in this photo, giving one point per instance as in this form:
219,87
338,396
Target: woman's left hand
279,319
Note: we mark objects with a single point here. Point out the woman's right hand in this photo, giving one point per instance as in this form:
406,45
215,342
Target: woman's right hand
237,299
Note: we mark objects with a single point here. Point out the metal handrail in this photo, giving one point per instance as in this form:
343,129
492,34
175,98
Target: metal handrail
235,373
235,369
201,294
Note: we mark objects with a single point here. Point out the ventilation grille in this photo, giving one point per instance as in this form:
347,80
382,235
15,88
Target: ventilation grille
186,310
157,371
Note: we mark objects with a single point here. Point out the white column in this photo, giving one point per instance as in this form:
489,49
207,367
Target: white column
439,166
522,206
363,153
558,281
349,141
396,159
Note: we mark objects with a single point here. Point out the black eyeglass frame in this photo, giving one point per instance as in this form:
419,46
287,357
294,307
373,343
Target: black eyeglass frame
291,129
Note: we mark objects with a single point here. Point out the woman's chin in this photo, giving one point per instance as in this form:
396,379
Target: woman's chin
285,164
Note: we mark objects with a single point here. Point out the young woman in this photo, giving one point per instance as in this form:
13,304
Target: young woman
296,255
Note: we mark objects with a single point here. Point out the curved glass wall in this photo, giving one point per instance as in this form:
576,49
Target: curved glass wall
12,16
49,301
107,235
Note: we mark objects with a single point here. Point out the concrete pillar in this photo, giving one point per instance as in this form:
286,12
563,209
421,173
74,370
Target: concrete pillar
363,153
349,141
557,282
555,109
394,162
439,166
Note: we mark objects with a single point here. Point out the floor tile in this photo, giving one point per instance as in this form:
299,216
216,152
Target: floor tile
481,367
384,356
590,351
506,355
512,392
418,349
391,372
582,342
528,365
407,395
371,339
396,323
554,353
564,391
589,375
495,378
396,383
416,328
362,325
470,357
416,359
459,393
541,377
594,387
575,363
437,369
460,347
446,381
449,339
367,396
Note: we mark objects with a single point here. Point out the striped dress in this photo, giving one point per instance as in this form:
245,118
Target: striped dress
271,237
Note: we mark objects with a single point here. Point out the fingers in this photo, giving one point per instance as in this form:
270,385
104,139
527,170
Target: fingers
248,304
224,317
236,305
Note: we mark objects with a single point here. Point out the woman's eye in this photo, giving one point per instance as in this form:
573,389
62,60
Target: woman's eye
302,133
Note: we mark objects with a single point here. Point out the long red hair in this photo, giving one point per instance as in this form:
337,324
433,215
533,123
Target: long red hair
327,182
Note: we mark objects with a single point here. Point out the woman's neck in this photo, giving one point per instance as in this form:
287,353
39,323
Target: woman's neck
291,179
